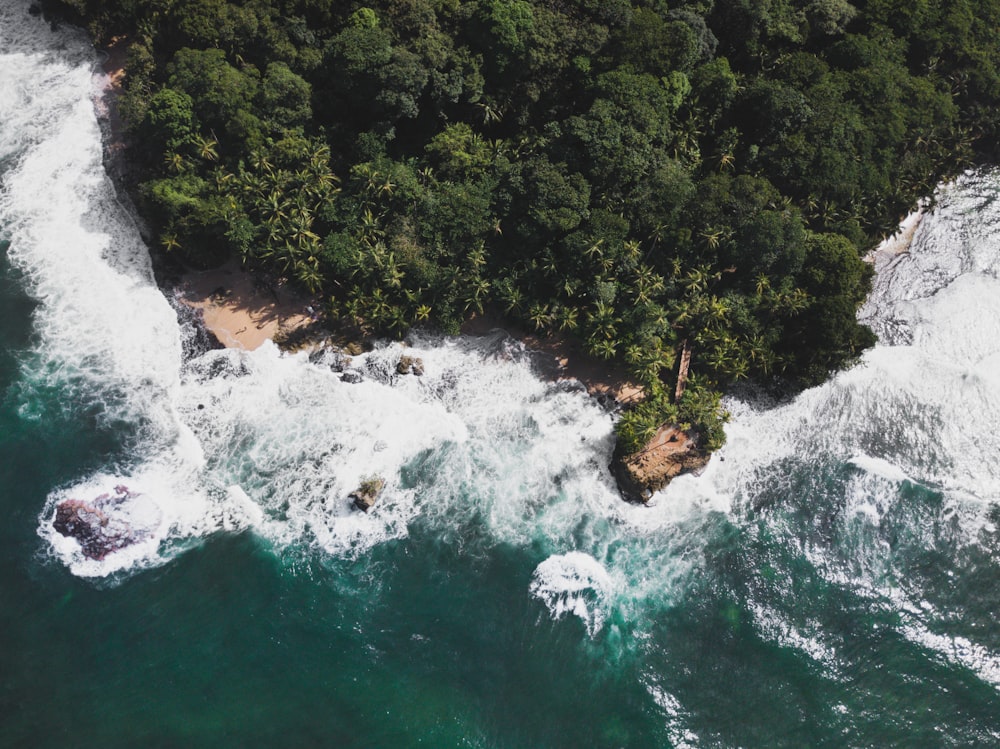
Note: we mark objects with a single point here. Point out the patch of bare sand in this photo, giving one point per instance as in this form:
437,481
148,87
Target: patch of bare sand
241,311
899,243
562,358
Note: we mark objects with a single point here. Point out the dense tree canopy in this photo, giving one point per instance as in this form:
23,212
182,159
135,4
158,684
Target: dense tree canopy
642,175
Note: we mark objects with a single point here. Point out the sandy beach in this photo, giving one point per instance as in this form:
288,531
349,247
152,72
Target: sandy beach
240,311
560,357
899,242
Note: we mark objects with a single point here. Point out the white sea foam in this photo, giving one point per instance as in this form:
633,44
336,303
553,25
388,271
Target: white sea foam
274,443
879,467
956,650
574,583
105,332
807,638
681,737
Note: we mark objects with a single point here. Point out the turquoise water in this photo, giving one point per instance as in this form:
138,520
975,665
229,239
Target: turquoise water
830,580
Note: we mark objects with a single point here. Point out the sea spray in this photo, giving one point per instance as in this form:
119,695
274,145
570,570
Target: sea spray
853,485
844,528
574,583
107,341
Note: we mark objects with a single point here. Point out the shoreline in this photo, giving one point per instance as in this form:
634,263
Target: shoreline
899,242
241,311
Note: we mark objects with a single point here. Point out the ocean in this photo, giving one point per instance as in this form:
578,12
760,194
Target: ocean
830,580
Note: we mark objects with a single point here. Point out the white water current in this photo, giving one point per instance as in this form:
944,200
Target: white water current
272,443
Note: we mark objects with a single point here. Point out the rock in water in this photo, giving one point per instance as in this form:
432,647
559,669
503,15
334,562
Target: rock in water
365,495
410,365
94,525
670,453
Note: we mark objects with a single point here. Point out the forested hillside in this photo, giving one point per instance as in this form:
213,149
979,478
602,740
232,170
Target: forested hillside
640,175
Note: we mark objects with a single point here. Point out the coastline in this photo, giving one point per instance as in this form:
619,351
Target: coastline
899,242
559,358
242,312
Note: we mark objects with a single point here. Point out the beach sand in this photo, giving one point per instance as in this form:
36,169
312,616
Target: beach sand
240,311
899,242
243,313
560,357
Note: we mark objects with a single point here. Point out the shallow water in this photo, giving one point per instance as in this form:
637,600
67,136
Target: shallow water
830,580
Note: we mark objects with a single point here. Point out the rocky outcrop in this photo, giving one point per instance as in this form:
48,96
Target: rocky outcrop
95,525
670,453
410,365
365,495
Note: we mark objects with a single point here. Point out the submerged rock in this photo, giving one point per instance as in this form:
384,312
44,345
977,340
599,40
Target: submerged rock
365,495
94,525
669,454
331,357
410,365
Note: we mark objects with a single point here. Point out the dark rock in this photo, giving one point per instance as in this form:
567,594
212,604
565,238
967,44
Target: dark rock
669,454
330,357
35,9
352,376
365,495
196,339
410,365
94,526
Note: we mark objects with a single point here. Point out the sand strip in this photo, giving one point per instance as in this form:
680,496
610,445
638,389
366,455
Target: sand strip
241,311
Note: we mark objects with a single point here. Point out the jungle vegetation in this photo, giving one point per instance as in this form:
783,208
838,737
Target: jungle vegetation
642,175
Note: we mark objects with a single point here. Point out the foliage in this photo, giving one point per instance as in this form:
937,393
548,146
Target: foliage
638,175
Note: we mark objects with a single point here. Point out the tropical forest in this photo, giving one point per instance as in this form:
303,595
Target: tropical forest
662,181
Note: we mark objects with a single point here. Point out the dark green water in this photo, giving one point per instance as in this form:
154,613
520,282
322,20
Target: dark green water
833,581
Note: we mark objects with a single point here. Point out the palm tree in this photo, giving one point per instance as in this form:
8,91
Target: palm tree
567,318
175,163
391,273
712,237
514,299
602,321
309,276
170,242
604,349
370,227
398,321
387,187
260,162
539,315
207,148
426,175
490,113
300,231
727,160
476,293
275,207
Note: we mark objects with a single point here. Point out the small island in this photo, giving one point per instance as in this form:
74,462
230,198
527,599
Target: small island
685,190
